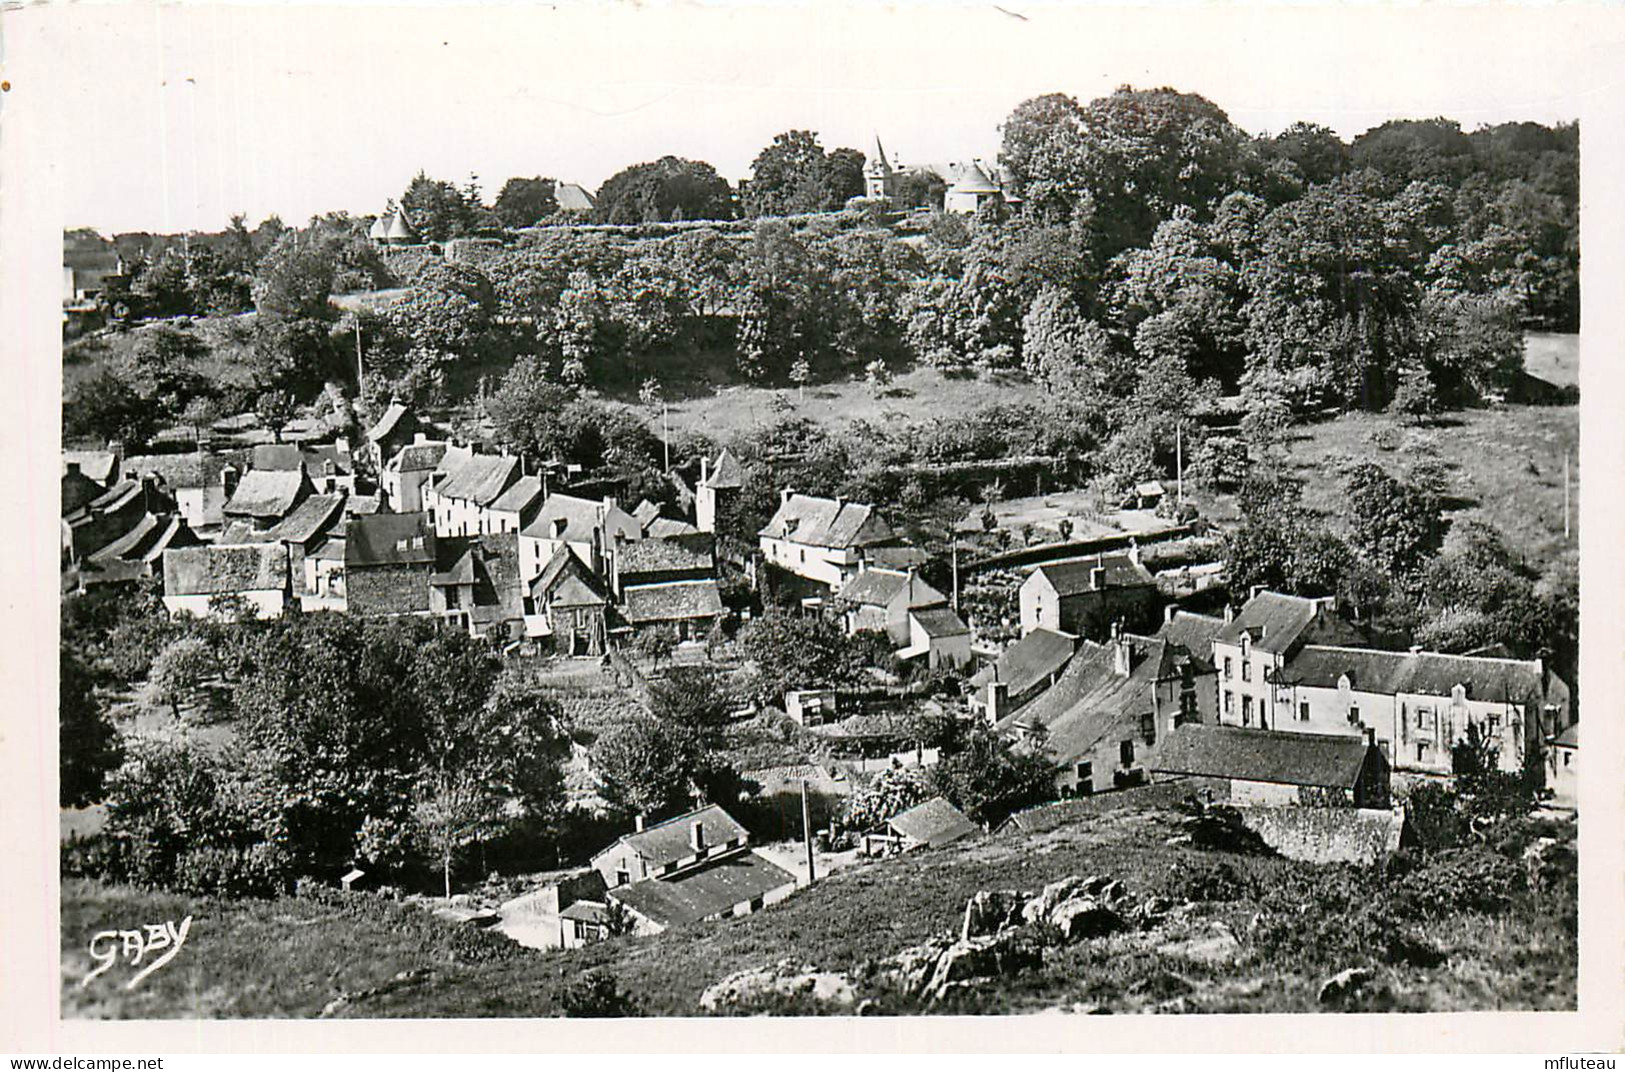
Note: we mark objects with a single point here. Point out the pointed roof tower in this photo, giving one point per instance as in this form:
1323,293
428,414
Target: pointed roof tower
879,165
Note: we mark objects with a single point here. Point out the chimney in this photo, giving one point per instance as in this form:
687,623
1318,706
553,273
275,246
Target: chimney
1253,592
149,491
1371,736
784,496
705,468
343,444
610,503
420,437
1229,613
1134,550
1097,578
559,525
1122,653
73,469
1169,613
697,836
638,822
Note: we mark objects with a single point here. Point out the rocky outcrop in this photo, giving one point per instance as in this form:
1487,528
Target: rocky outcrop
782,980
991,911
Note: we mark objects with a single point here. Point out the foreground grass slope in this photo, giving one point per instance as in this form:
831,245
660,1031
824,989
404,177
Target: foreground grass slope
1296,926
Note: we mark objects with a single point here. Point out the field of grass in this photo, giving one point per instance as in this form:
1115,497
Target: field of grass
226,336
411,965
1553,357
1503,466
719,410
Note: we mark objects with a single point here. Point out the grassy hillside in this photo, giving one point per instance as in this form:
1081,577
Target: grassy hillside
1296,925
1503,466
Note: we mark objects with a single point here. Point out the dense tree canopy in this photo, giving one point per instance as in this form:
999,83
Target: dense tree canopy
525,202
794,174
670,188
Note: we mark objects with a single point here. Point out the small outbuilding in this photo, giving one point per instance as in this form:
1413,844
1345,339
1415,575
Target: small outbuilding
925,826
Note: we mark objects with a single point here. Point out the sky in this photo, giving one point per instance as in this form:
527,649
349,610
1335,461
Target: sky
173,118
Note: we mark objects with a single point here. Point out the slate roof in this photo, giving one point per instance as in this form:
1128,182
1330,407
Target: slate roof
1028,661
646,511
194,469
582,517
1192,631
567,582
116,497
417,457
586,912
376,540
896,557
1569,738
387,423
267,493
1075,576
933,823
215,570
289,456
331,549
99,465
671,601
520,496
879,587
309,519
664,528
1369,670
572,197
674,555
1276,622
1255,755
480,478
726,473
147,540
819,522
973,180
939,621
78,492
706,892
667,842
242,532
1091,702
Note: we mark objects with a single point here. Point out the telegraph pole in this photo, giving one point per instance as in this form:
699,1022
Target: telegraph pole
1565,494
806,831
956,573
665,432
1179,459
360,373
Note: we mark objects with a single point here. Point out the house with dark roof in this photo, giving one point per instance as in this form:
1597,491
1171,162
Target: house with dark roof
402,477
264,497
664,528
389,560
566,913
822,541
1420,705
514,508
329,465
719,485
1021,673
476,583
589,527
688,607
396,427
928,825
1272,768
99,465
146,541
694,867
1256,643
1111,706
199,481
937,635
111,516
1088,596
310,526
458,497
195,578
570,604
78,490
880,599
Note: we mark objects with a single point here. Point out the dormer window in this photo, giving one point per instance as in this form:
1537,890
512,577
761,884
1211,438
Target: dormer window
1246,646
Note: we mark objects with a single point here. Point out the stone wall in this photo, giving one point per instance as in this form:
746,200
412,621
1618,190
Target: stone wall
1327,835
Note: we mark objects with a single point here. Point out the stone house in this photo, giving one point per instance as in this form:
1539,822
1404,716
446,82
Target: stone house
1021,673
401,479
718,487
1087,597
458,497
1255,645
589,528
389,563
194,577
515,508
570,604
198,481
264,497
822,541
1267,767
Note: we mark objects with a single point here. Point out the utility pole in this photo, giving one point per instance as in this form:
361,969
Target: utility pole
360,373
1179,459
806,831
1565,494
956,574
665,432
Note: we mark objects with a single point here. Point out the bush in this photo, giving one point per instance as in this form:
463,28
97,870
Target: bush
1459,880
597,994
1206,882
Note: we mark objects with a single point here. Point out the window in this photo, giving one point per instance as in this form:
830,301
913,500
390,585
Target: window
1148,728
1086,777
1227,668
622,876
1354,714
1246,671
454,596
1229,702
1421,752
1246,710
1303,711
1125,753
